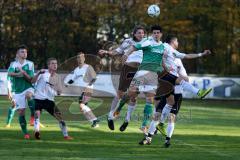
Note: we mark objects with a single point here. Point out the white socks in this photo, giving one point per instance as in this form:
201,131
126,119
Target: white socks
85,109
88,113
113,107
36,124
189,87
170,129
129,112
165,112
37,121
153,126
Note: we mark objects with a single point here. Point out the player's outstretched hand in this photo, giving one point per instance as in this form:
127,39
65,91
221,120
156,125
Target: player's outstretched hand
41,71
206,52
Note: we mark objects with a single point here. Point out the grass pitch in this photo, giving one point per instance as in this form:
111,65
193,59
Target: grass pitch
204,130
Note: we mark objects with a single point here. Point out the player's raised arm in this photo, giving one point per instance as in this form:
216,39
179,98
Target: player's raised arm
35,78
120,50
112,53
191,56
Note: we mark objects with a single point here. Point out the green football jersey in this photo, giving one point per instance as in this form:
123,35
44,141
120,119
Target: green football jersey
152,55
20,84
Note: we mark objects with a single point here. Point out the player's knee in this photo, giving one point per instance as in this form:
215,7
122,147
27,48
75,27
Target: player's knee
21,112
81,105
120,94
133,100
149,100
29,95
84,99
156,116
172,118
170,100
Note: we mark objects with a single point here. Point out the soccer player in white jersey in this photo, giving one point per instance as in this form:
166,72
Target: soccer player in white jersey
48,85
85,76
21,72
128,71
178,90
170,77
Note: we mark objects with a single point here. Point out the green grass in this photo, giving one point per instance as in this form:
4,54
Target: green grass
204,130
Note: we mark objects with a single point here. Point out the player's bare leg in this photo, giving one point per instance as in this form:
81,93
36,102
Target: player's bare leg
87,112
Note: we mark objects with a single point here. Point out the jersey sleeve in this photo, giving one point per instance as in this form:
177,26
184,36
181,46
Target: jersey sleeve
178,54
11,68
31,69
91,74
125,44
142,46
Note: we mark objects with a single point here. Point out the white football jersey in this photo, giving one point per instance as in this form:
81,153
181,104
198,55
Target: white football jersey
136,56
81,76
169,57
44,88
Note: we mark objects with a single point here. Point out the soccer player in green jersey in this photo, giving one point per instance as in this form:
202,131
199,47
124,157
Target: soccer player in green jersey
21,72
12,108
145,78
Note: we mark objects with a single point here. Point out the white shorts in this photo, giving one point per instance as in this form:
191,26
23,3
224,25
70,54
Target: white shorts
20,98
145,81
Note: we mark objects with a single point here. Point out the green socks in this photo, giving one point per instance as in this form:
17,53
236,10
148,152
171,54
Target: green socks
10,116
148,111
23,124
122,102
31,105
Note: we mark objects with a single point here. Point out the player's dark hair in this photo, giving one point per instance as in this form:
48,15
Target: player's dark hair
22,46
170,38
156,27
135,29
51,59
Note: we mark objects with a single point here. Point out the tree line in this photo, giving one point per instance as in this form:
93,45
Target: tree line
61,28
